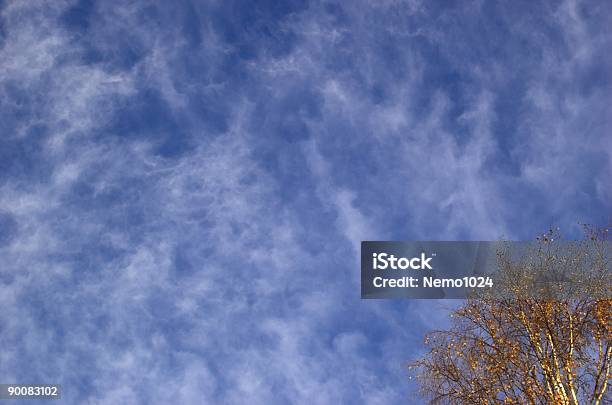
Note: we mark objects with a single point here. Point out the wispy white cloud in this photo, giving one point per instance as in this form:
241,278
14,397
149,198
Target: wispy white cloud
226,269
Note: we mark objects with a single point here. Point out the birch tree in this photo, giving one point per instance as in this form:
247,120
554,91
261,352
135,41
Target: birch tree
532,344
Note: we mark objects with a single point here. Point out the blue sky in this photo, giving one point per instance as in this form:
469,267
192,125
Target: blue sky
184,185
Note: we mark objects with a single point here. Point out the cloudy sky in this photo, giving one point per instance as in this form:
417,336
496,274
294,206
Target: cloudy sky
184,185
